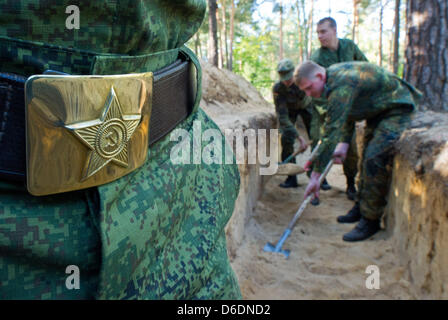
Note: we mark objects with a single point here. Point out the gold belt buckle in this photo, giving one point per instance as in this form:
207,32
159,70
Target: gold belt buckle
85,131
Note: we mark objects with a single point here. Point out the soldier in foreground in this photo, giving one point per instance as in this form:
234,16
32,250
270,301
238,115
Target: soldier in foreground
91,207
290,102
360,91
334,50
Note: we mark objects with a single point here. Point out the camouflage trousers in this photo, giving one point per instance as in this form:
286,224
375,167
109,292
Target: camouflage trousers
157,233
288,140
376,166
350,165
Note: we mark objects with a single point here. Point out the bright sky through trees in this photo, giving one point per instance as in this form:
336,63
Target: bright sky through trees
256,46
340,10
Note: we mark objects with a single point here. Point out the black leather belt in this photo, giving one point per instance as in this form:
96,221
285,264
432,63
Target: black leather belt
173,100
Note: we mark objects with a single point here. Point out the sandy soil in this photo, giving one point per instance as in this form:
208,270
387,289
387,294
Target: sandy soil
321,265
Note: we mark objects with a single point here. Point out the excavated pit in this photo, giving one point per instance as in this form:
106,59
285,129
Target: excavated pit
411,253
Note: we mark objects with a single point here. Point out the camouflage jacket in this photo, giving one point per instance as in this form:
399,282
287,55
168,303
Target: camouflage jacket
359,91
347,51
114,37
287,100
157,233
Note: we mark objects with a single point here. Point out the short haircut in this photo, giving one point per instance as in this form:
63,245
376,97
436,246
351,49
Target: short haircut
330,20
306,70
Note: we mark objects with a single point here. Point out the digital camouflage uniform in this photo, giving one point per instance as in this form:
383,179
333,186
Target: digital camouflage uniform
290,102
156,233
347,51
361,91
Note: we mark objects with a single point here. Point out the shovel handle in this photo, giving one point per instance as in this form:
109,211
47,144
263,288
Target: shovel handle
291,156
314,153
308,199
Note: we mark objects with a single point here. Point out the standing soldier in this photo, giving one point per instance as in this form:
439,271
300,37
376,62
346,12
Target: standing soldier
290,102
334,50
91,206
358,91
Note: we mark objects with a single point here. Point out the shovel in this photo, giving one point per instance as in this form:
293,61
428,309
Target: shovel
278,248
290,169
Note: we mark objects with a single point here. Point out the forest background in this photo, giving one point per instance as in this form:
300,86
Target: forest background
407,37
253,35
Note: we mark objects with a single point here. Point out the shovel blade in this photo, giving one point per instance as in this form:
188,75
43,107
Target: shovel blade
289,169
269,247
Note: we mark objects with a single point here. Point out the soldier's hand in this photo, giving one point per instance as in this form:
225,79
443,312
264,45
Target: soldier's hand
340,153
308,165
313,186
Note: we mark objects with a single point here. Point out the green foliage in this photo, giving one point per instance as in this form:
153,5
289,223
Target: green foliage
254,56
256,42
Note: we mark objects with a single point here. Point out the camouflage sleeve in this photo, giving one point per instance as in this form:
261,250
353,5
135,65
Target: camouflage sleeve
339,104
359,56
307,102
286,126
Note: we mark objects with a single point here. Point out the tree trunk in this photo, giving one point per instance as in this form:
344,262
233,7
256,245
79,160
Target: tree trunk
380,44
220,51
305,31
299,33
198,39
396,36
212,33
310,30
232,26
281,32
224,31
355,20
426,56
391,54
196,44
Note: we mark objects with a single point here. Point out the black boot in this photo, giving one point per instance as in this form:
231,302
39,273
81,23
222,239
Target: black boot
363,230
351,189
352,216
325,186
290,182
315,201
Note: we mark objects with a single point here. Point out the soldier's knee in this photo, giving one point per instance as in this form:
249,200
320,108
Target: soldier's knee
377,166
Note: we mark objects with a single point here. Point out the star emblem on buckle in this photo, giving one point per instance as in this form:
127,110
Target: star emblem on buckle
106,137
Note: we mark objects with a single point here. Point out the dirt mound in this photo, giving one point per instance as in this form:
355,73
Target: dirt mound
233,102
425,144
221,86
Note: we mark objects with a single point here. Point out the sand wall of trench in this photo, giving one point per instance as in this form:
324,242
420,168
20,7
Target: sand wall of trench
417,212
233,103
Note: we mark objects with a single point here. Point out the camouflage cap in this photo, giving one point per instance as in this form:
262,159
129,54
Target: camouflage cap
285,69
